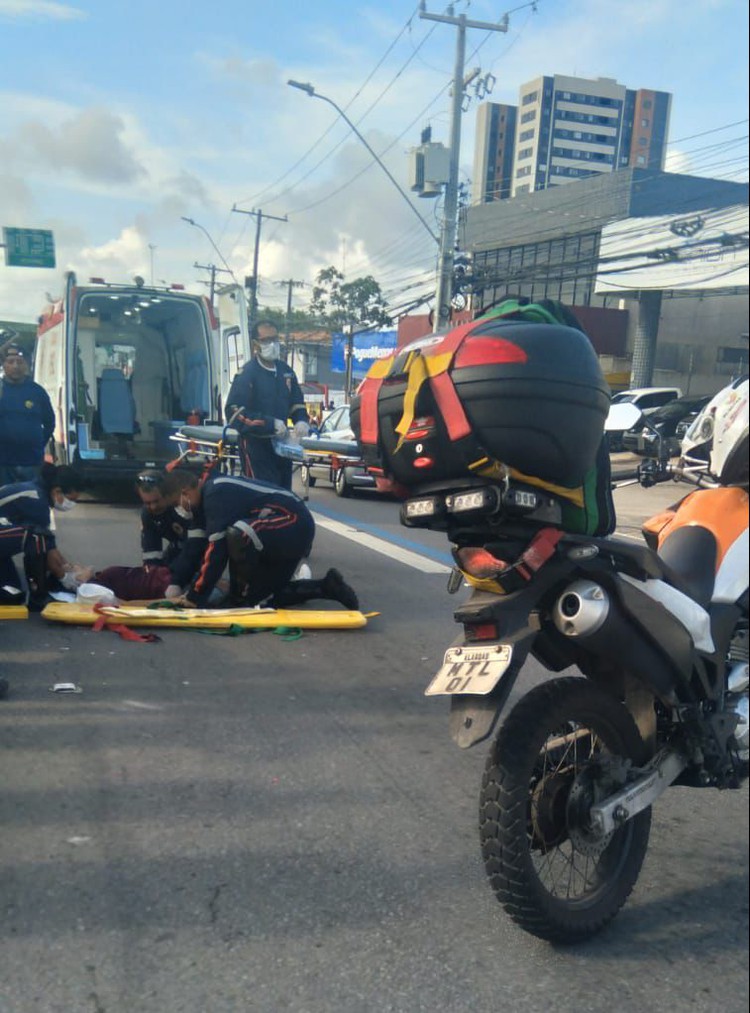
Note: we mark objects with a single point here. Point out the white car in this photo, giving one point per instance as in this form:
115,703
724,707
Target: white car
648,399
344,477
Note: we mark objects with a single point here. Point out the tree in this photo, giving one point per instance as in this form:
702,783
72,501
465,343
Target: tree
338,303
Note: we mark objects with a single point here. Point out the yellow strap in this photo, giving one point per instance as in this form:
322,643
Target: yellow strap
572,495
381,368
417,376
420,368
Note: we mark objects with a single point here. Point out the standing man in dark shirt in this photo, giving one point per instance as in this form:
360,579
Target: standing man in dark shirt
263,396
27,420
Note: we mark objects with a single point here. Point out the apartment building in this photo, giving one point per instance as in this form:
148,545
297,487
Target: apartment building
493,152
568,128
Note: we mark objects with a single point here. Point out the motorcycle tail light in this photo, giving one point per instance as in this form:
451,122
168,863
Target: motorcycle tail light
479,563
481,631
423,462
483,350
421,428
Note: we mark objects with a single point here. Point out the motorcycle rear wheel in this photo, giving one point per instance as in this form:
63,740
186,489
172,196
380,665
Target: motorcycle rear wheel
547,868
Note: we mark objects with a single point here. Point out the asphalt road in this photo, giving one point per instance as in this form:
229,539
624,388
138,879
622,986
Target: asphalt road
222,824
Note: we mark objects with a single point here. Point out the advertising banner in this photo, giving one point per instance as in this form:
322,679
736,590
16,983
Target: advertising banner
367,347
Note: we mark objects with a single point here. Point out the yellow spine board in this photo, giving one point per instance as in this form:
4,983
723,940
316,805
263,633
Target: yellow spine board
84,615
14,612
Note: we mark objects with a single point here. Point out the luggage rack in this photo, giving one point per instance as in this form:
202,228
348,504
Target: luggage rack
220,444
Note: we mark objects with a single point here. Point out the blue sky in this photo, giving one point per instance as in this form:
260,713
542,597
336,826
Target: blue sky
117,118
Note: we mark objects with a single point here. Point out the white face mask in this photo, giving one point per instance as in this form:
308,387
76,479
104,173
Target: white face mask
269,351
64,504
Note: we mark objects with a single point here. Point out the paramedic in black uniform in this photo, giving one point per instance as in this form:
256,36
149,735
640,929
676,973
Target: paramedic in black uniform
27,419
166,569
263,396
262,532
26,527
161,522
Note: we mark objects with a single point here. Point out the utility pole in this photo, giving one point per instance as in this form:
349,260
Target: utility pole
444,288
259,216
214,271
291,284
152,247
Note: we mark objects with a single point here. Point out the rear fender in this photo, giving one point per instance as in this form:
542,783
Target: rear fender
473,718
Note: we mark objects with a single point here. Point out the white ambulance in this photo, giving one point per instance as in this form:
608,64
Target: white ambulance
126,365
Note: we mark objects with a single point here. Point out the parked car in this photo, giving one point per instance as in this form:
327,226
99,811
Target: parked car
648,399
672,421
345,478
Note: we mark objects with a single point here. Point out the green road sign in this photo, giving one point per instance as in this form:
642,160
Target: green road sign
28,247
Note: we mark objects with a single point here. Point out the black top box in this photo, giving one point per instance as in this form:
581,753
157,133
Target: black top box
532,396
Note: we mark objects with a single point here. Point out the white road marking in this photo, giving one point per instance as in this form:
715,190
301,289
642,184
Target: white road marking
422,563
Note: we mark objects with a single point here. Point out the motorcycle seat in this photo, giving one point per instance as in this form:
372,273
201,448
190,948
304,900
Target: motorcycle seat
688,566
690,553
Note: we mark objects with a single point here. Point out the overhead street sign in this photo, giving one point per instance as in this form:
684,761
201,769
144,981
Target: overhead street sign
28,247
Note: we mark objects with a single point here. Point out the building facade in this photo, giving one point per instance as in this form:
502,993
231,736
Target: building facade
493,152
567,128
548,245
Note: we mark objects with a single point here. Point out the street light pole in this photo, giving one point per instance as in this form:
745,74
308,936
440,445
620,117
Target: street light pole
197,225
309,90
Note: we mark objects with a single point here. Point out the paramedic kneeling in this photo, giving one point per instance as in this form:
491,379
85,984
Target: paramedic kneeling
167,568
25,527
262,532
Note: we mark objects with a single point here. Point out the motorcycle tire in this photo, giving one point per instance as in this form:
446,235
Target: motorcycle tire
552,875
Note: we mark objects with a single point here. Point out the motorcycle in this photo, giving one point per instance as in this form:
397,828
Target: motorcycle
659,633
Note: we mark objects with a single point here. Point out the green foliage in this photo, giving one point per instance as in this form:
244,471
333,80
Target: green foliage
337,303
299,320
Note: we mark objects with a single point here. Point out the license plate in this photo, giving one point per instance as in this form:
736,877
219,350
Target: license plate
475,670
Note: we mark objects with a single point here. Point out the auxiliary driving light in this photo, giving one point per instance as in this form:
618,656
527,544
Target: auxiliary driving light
419,512
484,499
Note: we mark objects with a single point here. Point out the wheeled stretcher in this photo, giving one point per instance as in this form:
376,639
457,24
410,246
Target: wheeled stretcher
221,444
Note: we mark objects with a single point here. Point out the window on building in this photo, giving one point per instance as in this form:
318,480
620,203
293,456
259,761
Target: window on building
566,95
526,135
527,117
531,97
645,123
641,160
731,361
642,142
525,171
647,103
525,152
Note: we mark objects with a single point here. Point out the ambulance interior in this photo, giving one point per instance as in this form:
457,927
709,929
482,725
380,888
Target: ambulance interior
142,368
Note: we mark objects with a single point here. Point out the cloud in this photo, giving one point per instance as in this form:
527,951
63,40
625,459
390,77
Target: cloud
40,10
88,143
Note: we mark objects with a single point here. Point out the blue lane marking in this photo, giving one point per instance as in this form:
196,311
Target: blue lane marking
372,529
